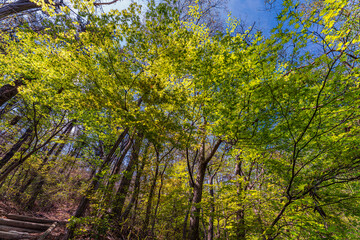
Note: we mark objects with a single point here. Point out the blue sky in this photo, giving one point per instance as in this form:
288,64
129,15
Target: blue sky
249,11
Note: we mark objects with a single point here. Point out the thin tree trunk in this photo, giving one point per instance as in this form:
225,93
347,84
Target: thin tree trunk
134,212
203,223
212,210
83,205
158,199
39,185
119,162
197,191
10,180
186,220
66,134
136,186
13,166
19,178
195,208
126,179
34,173
240,214
16,147
110,184
37,191
72,164
22,159
149,201
15,120
68,164
41,181
94,185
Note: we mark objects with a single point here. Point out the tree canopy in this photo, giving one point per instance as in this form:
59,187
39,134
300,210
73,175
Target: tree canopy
158,123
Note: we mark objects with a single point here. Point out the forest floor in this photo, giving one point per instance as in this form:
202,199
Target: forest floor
59,212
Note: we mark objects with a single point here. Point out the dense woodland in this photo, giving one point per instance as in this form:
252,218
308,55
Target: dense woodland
160,121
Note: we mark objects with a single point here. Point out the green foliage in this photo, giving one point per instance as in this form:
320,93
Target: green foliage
288,119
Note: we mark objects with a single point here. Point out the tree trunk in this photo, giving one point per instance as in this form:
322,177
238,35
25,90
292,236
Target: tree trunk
7,91
95,180
34,175
17,163
240,214
15,147
126,179
136,187
149,201
117,167
94,185
212,210
158,199
21,176
197,190
195,208
37,191
186,220
66,134
15,120
83,205
110,184
38,188
74,153
134,212
10,180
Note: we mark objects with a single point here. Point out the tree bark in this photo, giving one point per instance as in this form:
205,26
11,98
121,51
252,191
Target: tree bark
84,202
7,91
10,180
149,201
66,134
37,191
34,175
119,162
197,190
15,147
22,159
158,199
212,210
126,179
15,120
110,184
240,214
39,185
195,208
14,235
136,187
186,219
